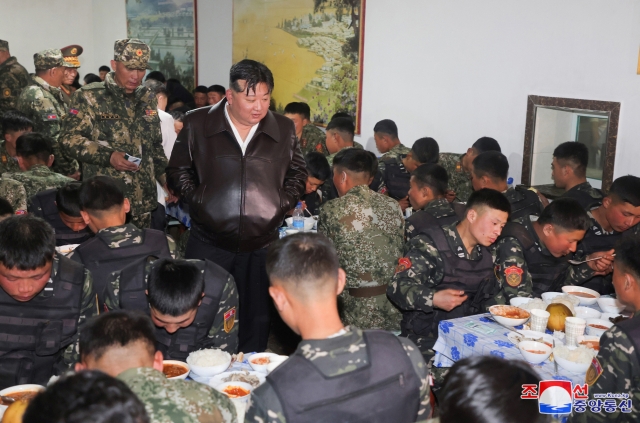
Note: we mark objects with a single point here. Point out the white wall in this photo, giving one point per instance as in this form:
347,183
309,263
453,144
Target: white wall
215,32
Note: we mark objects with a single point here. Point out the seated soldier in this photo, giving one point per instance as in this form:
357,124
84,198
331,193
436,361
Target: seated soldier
385,134
396,170
44,302
427,197
367,230
532,255
310,136
490,170
448,271
616,369
215,93
569,172
122,344
116,243
199,312
338,373
35,157
61,209
319,171
6,210
458,168
13,124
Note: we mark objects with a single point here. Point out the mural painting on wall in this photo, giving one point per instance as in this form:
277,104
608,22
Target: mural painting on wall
313,47
169,27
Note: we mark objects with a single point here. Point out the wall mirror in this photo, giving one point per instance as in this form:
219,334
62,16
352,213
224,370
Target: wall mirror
554,120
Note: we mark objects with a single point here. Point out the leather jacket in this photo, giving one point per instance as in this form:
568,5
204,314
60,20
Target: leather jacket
236,202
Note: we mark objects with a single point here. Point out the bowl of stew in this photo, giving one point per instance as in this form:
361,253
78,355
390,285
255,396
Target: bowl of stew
19,392
585,295
596,327
509,315
174,369
534,352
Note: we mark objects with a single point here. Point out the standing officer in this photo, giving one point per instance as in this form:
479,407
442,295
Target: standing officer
71,65
113,128
42,103
13,78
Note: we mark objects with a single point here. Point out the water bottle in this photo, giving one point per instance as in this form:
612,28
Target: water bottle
298,217
510,182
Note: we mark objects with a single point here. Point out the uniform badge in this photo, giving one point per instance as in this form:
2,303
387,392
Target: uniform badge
459,167
139,52
513,275
6,92
319,148
403,264
383,190
229,319
74,51
73,111
4,159
52,117
151,112
21,212
594,372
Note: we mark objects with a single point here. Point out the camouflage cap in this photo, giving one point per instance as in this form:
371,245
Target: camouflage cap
47,59
4,45
70,55
132,52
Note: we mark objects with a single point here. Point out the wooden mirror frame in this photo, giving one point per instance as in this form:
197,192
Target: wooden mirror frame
612,109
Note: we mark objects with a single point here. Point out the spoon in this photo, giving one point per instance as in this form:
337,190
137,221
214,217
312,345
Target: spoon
576,262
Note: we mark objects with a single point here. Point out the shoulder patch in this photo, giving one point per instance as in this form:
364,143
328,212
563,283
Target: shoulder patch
513,275
403,264
229,319
594,372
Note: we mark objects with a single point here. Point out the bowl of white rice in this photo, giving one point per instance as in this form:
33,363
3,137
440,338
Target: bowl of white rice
574,359
209,362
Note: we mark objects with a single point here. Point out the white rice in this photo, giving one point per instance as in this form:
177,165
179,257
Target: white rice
581,354
534,304
208,358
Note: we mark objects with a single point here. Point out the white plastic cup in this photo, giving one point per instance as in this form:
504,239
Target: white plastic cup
573,328
539,320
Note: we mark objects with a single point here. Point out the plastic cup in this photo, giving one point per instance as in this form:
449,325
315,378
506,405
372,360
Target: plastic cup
539,320
574,327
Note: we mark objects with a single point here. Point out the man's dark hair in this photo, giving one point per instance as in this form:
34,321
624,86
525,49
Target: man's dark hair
156,76
177,115
425,150
317,165
6,209
90,78
626,189
492,164
575,154
433,176
104,68
253,73
156,87
491,198
175,286
200,89
14,121
68,199
566,214
341,115
217,89
386,126
34,144
342,125
100,193
485,389
302,259
628,255
485,144
298,108
356,160
26,242
87,396
118,328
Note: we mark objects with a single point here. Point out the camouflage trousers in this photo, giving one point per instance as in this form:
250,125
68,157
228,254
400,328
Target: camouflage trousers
142,221
438,374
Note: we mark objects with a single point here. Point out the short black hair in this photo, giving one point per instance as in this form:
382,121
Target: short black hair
253,73
432,175
626,189
177,115
68,199
356,160
156,87
26,242
87,396
200,89
485,144
298,108
317,165
425,150
104,68
628,255
6,209
341,115
575,154
492,164
34,144
100,193
342,125
90,78
175,286
217,89
565,213
14,121
156,76
491,198
486,389
386,126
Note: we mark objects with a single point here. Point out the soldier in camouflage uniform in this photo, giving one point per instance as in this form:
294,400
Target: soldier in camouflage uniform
72,64
569,172
13,124
42,103
15,194
13,78
115,118
310,136
385,134
367,230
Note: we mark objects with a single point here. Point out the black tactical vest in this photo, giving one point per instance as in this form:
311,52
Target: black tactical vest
423,219
33,335
594,241
43,205
396,178
102,260
178,345
586,201
386,390
547,272
524,202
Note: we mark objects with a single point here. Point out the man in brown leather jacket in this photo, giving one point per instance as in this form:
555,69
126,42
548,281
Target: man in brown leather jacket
240,169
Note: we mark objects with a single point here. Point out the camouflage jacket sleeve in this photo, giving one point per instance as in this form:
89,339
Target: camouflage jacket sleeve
264,406
87,310
111,292
578,275
14,192
160,161
511,270
221,335
420,367
414,287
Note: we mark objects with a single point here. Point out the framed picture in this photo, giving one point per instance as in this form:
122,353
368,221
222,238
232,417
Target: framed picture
313,47
169,28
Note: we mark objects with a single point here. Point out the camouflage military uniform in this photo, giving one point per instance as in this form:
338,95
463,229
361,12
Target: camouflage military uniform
329,189
367,231
343,357
396,152
7,163
437,208
313,139
38,178
13,78
459,179
14,193
330,157
585,188
218,336
168,401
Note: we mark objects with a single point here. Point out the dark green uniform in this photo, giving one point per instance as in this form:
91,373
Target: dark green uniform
38,178
459,179
13,79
